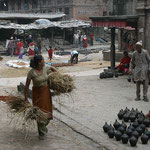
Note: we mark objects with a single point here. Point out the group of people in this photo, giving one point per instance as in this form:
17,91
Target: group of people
82,40
16,46
139,67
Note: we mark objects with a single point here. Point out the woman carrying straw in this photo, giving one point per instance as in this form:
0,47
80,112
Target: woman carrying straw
41,96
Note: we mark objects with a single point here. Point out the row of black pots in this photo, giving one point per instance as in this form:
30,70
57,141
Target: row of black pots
133,111
130,133
104,75
125,137
133,115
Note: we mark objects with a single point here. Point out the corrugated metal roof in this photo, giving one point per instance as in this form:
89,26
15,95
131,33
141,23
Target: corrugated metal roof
59,24
31,15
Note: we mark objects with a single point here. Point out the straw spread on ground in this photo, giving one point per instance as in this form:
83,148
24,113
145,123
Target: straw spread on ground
61,83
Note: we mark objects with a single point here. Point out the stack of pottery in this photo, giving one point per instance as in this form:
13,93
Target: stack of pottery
104,75
137,129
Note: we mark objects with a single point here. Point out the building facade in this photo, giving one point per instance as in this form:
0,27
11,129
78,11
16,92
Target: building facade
74,9
141,8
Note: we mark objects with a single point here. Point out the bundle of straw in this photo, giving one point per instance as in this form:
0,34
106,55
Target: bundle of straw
61,83
17,105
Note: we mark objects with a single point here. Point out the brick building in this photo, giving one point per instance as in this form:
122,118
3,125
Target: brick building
74,9
141,8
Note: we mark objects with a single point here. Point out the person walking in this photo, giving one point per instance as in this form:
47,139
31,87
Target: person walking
85,44
29,40
21,51
139,66
31,49
92,39
39,43
41,96
11,46
50,53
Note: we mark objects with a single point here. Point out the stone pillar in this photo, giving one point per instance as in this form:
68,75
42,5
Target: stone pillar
141,21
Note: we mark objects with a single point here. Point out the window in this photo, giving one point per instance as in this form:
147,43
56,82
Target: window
34,4
59,1
66,1
26,4
105,1
115,1
12,4
104,13
49,2
44,2
67,11
59,10
50,11
19,5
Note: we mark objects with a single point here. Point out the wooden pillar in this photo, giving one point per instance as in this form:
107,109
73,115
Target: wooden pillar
112,54
120,31
63,36
52,36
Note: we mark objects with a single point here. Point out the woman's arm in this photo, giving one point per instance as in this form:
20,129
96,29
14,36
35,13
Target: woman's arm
53,69
27,89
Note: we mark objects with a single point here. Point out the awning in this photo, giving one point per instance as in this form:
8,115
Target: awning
118,24
115,21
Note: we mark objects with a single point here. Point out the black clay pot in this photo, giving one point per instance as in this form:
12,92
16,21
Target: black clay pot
129,132
109,75
116,125
132,110
124,125
118,135
141,114
116,75
126,117
126,110
106,127
101,76
139,130
143,127
121,129
144,139
131,127
140,120
111,133
147,132
135,124
133,141
132,118
146,122
111,127
120,114
129,79
124,138
136,134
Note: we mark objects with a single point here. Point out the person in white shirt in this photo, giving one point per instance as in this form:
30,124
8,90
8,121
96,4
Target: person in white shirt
74,56
76,39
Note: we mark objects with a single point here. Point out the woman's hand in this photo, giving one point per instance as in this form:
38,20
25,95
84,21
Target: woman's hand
53,69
